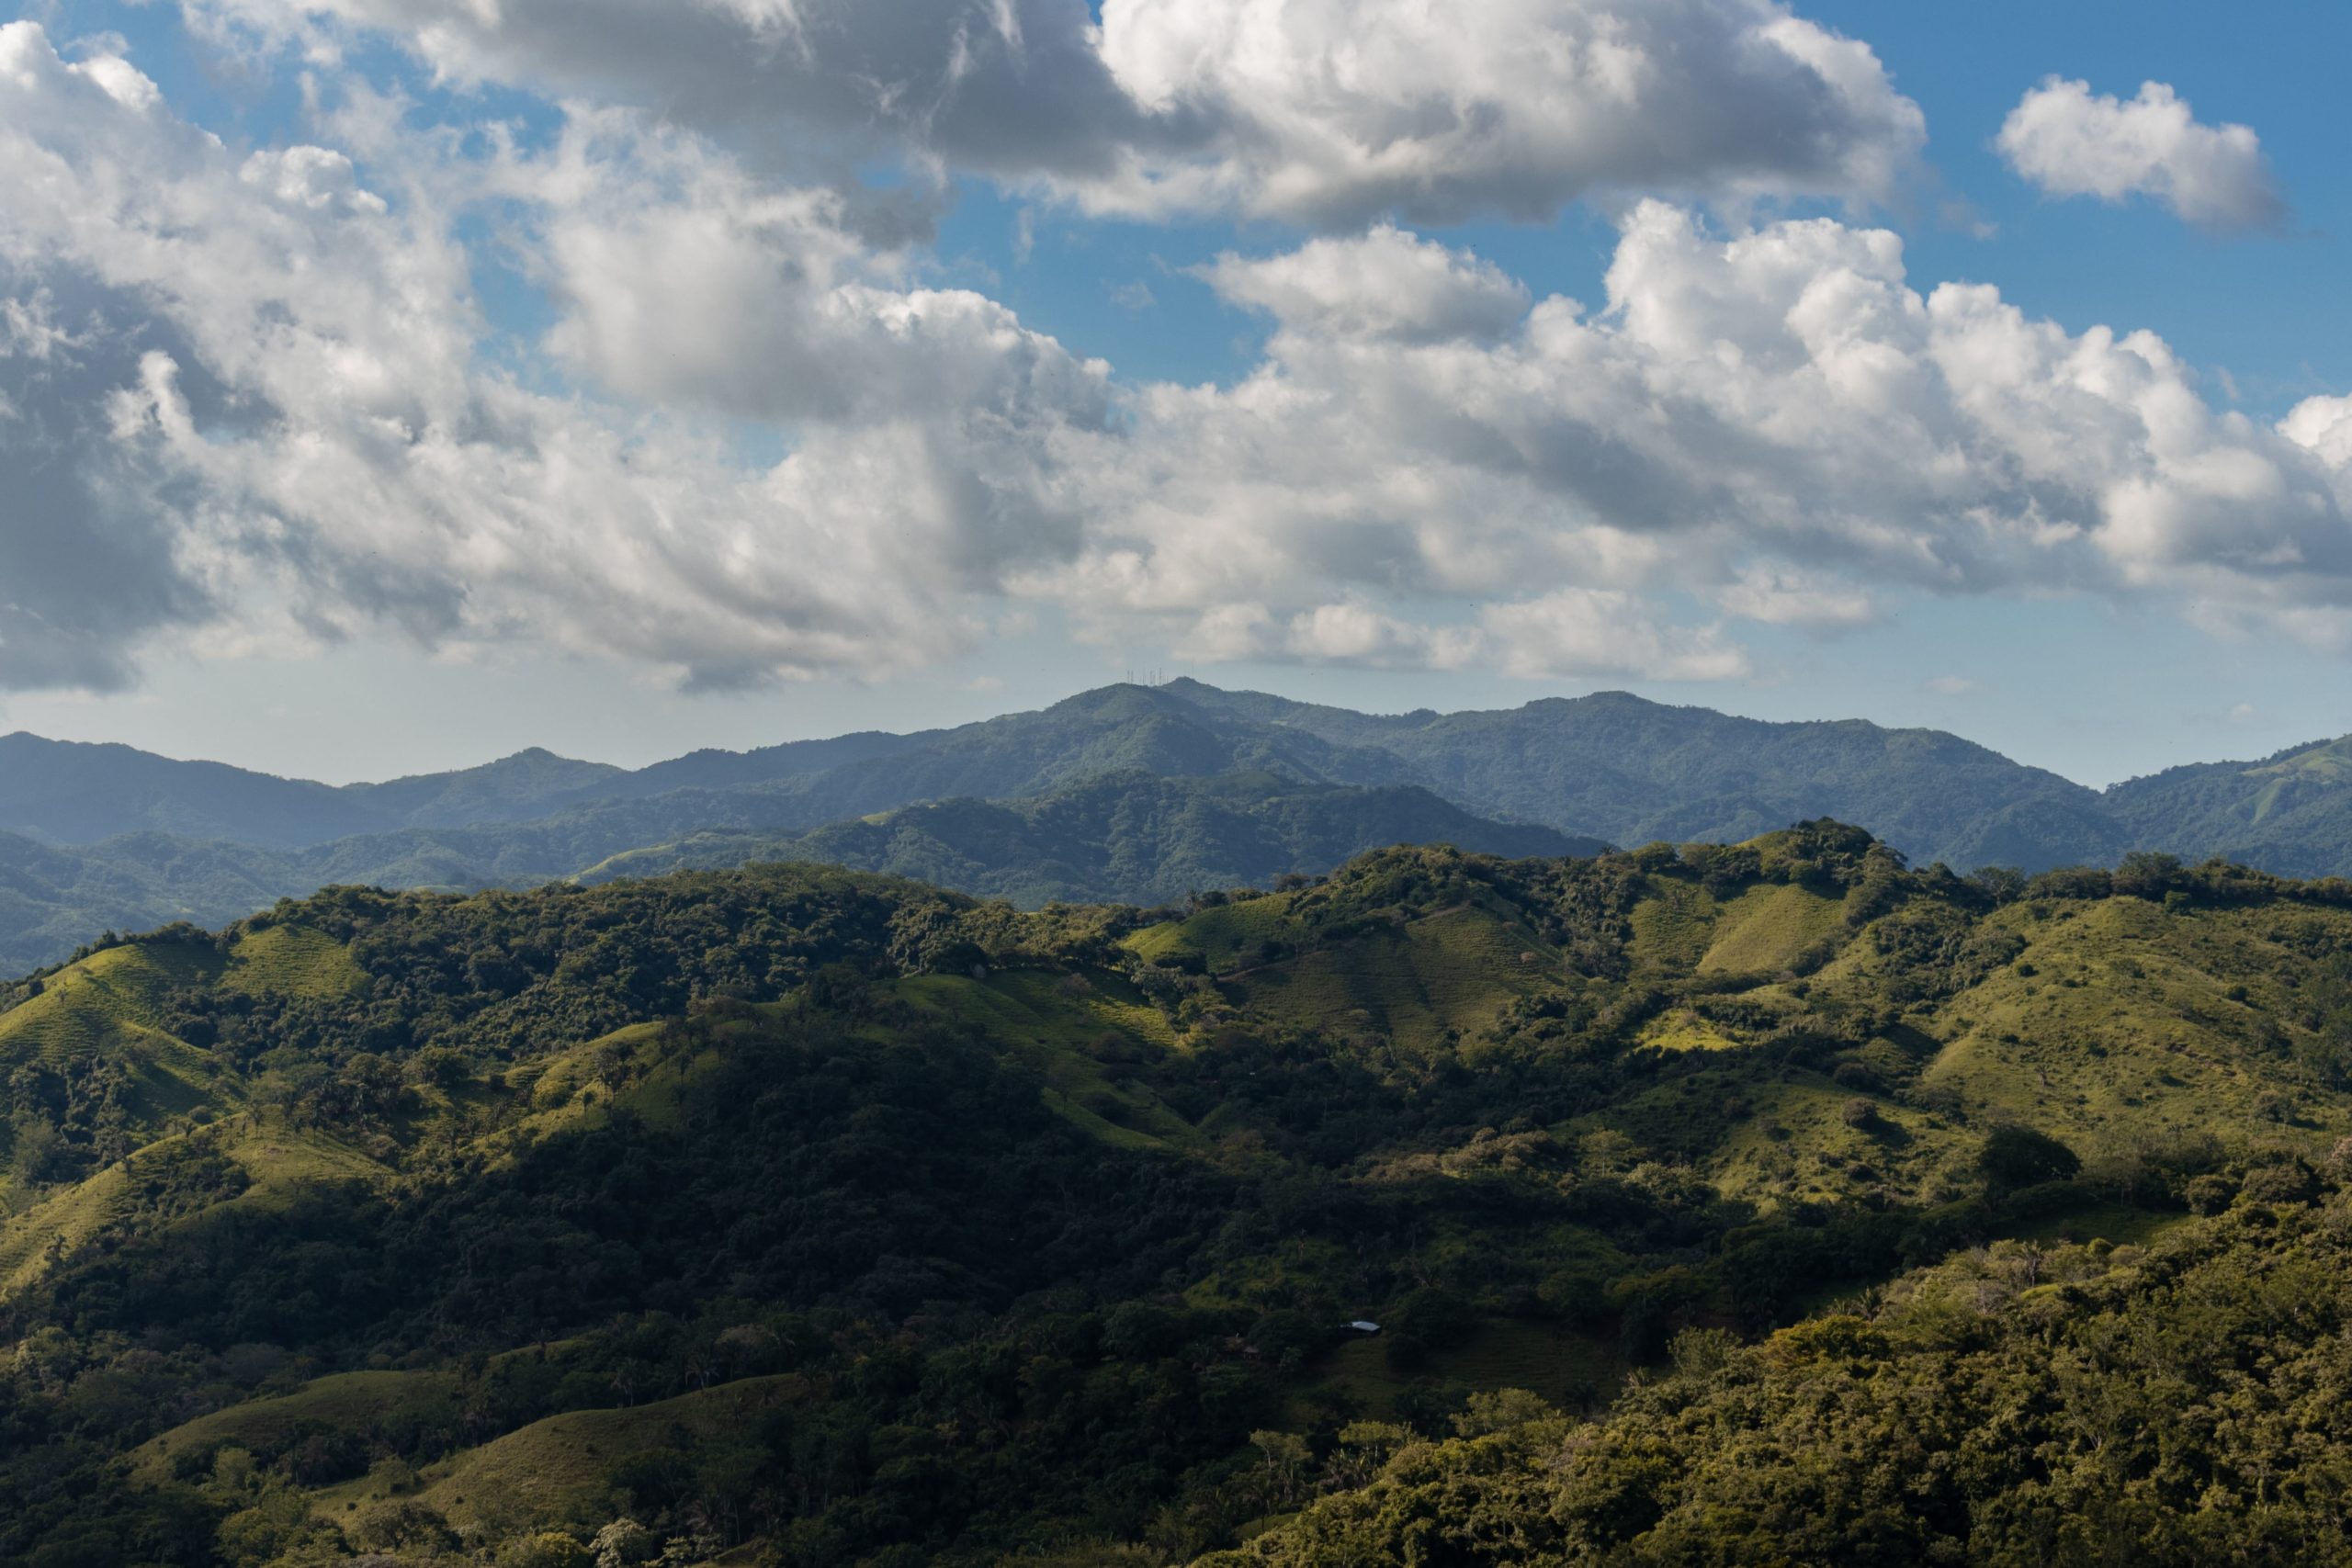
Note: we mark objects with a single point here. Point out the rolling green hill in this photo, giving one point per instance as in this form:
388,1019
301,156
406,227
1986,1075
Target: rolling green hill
802,1216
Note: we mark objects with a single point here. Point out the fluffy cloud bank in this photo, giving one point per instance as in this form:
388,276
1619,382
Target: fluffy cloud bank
1321,111
1775,424
245,393
253,399
2069,142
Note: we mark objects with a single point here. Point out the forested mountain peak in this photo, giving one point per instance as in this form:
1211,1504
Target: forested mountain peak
130,838
79,792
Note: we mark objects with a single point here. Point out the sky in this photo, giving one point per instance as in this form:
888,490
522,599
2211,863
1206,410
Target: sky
390,384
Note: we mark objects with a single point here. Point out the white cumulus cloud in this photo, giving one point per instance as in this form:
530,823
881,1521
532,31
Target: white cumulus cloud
280,428
1385,284
1774,422
2069,141
1327,112
250,398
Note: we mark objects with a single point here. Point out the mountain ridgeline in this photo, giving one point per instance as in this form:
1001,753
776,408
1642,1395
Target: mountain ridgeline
1764,1202
1126,793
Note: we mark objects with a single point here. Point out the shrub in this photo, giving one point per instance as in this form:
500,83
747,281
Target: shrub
2208,1193
550,1549
401,1526
2286,1181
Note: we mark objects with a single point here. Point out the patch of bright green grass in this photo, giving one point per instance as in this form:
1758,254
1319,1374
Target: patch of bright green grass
553,1474
283,1160
1672,926
280,1161
1794,1145
1680,1029
1224,938
1153,943
349,1401
1763,929
2121,1020
1456,970
109,1006
1076,1029
58,1223
2112,1222
292,960
88,1006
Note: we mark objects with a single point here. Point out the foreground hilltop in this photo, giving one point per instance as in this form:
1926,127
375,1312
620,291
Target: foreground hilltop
1127,794
802,1216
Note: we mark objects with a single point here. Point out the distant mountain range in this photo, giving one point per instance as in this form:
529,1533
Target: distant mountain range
1126,794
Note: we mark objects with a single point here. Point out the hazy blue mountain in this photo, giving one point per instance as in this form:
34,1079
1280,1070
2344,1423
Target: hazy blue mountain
55,897
1053,804
713,769
71,791
527,784
77,793
1611,766
1126,837
1632,771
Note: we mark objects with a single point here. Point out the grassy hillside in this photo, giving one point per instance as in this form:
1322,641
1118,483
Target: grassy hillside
815,1217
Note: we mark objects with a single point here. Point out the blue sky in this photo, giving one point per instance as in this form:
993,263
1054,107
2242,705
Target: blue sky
906,424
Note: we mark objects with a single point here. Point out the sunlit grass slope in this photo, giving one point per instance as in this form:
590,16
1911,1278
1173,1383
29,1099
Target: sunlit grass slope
554,1474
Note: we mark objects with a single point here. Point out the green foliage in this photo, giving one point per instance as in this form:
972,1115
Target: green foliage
2019,1405
2290,814
828,1218
544,1549
2019,1157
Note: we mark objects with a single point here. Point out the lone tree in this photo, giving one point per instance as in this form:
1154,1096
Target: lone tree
2019,1157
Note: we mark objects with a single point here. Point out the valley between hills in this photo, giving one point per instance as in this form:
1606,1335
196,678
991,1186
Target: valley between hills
1769,1201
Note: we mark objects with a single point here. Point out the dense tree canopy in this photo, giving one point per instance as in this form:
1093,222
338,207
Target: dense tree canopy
834,1219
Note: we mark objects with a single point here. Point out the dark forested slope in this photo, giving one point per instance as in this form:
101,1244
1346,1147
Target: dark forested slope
1127,836
2290,813
810,1217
